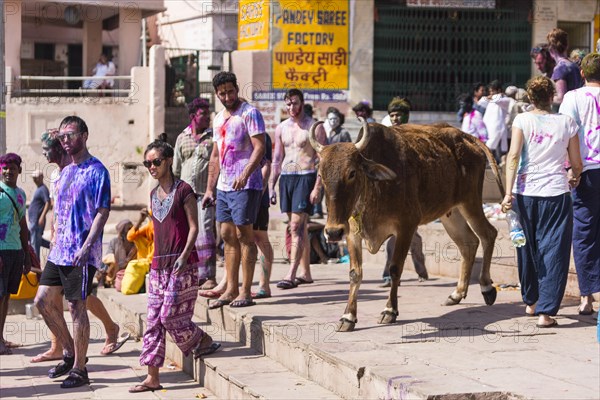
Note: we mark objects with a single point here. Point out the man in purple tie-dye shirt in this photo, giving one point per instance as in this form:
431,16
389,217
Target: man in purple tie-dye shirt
82,205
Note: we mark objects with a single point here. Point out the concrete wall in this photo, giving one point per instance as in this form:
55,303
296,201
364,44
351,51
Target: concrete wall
362,31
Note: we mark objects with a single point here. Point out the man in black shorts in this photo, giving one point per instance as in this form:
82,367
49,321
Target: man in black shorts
82,206
13,238
299,187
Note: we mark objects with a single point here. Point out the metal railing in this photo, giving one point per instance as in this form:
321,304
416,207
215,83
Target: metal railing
24,88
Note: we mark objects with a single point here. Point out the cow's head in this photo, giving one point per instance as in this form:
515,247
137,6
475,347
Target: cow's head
345,173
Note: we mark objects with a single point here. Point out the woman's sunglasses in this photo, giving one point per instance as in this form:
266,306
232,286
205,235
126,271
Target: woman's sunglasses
156,162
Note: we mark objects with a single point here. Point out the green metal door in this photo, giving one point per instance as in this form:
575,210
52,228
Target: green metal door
432,55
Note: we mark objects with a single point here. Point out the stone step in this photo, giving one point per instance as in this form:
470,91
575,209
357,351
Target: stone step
230,373
312,349
469,350
242,373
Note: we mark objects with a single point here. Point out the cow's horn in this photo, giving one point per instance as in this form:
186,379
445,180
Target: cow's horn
362,143
313,139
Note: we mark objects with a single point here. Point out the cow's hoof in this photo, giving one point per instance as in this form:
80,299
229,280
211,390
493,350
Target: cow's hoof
451,301
345,325
490,296
387,317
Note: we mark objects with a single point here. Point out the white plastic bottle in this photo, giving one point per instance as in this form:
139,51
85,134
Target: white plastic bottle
517,236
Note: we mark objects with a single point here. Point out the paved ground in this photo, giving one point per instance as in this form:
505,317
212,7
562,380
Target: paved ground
111,375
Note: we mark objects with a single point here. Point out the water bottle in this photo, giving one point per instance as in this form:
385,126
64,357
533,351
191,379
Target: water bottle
517,236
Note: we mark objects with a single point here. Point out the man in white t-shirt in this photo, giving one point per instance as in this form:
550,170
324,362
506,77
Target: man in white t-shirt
104,67
583,105
495,119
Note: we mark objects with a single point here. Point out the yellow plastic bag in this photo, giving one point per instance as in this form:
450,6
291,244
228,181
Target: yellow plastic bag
27,287
135,275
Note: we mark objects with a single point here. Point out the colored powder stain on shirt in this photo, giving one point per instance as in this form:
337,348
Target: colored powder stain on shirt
81,190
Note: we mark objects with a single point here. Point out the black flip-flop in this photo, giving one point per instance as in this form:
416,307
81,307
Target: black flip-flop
118,344
550,325
586,312
144,388
286,284
302,281
214,346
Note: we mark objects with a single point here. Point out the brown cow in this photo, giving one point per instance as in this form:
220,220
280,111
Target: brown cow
397,178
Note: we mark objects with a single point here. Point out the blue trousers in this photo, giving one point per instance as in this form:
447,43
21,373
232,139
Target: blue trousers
586,232
544,260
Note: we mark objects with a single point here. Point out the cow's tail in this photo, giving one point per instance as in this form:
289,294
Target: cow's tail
494,166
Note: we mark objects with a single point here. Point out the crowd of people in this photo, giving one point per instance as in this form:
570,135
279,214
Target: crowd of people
219,180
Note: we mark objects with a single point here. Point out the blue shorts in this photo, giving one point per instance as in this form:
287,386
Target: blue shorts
239,207
294,192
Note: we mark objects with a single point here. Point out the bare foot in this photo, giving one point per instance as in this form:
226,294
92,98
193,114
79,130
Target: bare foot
587,305
50,355
530,310
111,339
545,321
209,284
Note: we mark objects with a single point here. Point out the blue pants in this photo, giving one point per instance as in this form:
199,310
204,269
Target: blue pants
544,260
586,232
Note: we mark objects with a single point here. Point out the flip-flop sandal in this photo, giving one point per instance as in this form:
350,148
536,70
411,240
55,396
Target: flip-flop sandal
550,325
214,346
218,304
140,388
210,294
302,281
117,345
242,303
586,311
77,377
43,358
261,294
286,284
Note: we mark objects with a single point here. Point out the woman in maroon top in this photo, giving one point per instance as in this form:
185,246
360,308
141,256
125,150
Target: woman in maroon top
174,271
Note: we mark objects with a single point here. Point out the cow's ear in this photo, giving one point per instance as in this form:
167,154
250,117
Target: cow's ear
376,171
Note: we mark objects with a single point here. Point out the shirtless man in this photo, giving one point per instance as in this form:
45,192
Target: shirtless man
300,187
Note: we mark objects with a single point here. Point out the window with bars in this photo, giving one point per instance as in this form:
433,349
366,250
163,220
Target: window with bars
433,55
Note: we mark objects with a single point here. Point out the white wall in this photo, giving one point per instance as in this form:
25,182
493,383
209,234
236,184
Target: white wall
119,132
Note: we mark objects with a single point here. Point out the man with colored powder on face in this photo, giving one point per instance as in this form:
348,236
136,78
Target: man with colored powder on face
82,207
192,155
14,237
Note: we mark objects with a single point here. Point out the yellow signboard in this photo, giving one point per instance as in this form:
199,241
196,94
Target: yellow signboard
310,46
253,25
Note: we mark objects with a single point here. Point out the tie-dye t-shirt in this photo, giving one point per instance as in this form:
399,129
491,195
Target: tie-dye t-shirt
81,190
232,137
10,229
541,169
